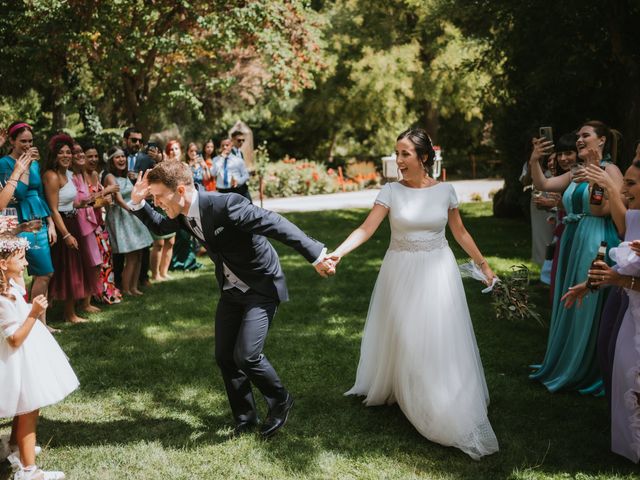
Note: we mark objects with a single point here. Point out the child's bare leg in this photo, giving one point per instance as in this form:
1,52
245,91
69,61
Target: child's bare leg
26,436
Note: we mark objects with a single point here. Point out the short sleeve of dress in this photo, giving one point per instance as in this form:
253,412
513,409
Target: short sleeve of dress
453,197
384,197
9,321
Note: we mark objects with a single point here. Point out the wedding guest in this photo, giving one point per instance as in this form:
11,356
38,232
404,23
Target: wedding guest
230,171
128,235
196,162
566,157
137,161
137,158
109,293
34,371
541,229
625,211
570,361
237,139
162,248
31,205
208,152
71,281
173,150
87,225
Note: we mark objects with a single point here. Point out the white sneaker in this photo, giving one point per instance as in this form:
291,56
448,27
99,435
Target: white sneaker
14,460
37,474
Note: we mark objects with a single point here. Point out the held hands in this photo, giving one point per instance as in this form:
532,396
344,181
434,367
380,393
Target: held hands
327,267
141,188
575,294
38,306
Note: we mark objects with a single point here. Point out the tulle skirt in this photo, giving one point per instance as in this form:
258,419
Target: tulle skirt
34,375
419,350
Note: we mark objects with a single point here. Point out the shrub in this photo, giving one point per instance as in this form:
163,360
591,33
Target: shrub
290,177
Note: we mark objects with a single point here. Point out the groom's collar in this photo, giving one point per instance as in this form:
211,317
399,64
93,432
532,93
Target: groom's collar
194,208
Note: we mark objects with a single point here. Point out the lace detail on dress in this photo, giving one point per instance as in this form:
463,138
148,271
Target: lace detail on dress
403,244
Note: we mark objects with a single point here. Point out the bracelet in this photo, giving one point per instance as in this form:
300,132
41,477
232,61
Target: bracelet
13,181
633,282
66,236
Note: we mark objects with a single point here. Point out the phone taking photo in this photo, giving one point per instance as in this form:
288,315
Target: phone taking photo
546,133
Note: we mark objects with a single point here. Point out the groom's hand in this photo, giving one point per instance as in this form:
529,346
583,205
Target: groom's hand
327,267
140,189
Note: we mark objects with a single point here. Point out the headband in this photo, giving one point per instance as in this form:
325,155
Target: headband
18,126
116,153
11,244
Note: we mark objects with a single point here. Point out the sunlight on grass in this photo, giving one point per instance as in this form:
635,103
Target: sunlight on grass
152,404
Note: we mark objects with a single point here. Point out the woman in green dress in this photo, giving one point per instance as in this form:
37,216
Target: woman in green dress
570,361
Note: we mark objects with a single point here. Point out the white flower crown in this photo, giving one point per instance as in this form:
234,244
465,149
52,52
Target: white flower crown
12,244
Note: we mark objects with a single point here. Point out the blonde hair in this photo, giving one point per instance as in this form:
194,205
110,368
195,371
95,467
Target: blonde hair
10,245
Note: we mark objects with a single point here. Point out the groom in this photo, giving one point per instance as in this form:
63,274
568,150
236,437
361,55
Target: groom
249,275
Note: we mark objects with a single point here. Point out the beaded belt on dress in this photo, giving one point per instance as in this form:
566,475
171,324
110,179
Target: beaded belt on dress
417,245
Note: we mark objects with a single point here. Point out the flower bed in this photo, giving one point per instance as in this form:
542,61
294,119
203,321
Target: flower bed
289,177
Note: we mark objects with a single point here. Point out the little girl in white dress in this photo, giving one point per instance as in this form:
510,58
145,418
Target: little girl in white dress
34,371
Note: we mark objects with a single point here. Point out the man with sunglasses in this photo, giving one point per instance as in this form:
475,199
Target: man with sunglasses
137,159
237,137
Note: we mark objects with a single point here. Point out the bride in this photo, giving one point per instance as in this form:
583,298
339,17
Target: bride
418,347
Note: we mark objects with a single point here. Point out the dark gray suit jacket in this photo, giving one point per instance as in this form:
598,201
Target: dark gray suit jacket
235,233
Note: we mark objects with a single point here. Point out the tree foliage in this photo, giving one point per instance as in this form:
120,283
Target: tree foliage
148,62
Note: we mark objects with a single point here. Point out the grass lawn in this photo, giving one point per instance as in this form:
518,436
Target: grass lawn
152,404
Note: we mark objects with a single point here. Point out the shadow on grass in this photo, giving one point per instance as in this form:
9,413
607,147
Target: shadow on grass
150,360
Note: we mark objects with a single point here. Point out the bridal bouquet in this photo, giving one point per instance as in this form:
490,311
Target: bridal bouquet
510,295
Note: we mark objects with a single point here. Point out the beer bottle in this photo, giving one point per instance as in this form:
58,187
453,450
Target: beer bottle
597,194
602,252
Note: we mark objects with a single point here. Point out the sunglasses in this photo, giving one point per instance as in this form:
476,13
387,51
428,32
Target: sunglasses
135,140
241,140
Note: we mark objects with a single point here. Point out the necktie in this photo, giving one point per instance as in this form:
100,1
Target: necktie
132,162
195,228
225,174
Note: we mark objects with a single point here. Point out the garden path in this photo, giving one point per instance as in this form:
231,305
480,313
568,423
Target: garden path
466,190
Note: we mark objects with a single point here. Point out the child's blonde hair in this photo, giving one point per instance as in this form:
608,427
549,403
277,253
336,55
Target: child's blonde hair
10,245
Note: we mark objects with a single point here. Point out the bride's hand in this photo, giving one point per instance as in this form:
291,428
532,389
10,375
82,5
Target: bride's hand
486,269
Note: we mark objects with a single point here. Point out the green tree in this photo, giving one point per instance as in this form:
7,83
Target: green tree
144,62
561,64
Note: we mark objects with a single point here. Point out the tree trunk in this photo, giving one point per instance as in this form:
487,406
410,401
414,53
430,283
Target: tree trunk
332,146
59,120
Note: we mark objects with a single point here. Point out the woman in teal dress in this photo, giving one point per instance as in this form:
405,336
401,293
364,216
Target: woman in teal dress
31,205
570,362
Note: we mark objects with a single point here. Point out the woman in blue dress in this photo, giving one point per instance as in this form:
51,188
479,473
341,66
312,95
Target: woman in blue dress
570,362
31,205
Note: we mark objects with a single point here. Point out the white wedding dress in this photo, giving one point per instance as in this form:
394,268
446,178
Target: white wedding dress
418,347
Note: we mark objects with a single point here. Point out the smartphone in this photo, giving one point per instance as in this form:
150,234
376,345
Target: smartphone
547,133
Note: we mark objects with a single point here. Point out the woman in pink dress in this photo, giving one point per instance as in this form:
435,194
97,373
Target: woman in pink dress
87,224
109,293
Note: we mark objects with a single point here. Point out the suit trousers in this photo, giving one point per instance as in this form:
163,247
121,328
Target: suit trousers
242,323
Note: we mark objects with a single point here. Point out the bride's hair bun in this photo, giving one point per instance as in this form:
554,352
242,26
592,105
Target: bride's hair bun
422,143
